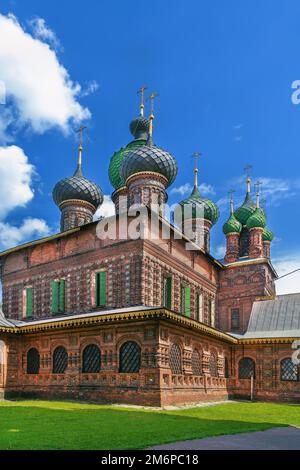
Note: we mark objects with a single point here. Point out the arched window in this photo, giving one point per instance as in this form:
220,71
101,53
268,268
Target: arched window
246,368
130,357
213,366
60,360
196,363
91,359
33,361
288,370
175,359
226,368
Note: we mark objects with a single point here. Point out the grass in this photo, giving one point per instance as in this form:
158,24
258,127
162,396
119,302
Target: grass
42,425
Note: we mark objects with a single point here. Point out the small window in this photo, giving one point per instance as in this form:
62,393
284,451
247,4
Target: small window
186,301
175,359
91,359
199,307
196,363
246,368
29,302
58,296
226,368
60,360
101,280
168,292
213,365
33,361
289,371
235,319
130,357
212,312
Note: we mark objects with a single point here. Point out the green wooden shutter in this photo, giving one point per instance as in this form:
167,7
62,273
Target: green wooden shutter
187,301
101,289
29,302
62,290
54,291
169,293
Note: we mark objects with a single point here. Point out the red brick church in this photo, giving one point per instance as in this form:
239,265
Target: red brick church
149,320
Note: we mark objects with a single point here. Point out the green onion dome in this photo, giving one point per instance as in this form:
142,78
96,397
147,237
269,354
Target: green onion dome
116,163
77,187
247,209
257,219
201,207
232,225
149,158
139,128
267,235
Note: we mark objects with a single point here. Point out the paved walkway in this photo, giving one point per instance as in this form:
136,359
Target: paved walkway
287,438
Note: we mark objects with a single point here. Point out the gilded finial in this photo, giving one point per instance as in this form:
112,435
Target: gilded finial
196,156
258,184
231,193
247,170
80,148
152,98
141,92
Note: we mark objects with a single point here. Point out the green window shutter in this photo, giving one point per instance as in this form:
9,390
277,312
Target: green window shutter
169,292
101,289
62,295
29,302
54,291
187,301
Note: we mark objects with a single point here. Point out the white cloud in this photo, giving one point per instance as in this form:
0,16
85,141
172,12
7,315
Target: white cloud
42,31
40,92
11,236
106,210
219,251
16,175
91,88
285,265
204,189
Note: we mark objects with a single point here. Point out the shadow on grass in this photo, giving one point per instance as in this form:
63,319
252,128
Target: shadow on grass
40,428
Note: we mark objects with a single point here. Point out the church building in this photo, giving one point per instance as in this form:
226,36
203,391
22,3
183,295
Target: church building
151,320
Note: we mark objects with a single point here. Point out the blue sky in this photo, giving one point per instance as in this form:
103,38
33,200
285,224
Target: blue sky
224,72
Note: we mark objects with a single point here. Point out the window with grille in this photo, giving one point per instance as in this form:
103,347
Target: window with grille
213,366
91,359
244,242
288,370
130,357
226,368
246,368
33,361
199,307
168,292
60,360
196,363
101,279
175,359
235,319
58,296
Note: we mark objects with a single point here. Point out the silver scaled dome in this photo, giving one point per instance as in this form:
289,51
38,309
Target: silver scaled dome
149,158
77,187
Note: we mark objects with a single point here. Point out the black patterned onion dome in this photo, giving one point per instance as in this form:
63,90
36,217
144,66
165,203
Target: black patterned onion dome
77,187
200,207
139,127
149,158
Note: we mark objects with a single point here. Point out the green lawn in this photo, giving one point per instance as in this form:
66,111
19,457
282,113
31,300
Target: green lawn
68,425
